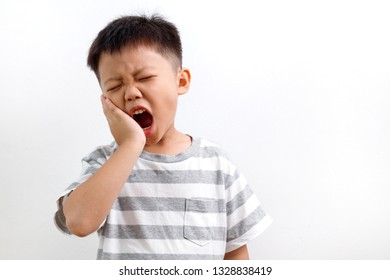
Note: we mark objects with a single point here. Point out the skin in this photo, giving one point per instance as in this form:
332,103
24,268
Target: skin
143,77
129,78
238,254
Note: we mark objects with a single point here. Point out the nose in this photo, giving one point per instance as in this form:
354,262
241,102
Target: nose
132,93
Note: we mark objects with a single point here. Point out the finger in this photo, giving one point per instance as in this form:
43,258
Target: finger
111,111
108,108
103,99
106,101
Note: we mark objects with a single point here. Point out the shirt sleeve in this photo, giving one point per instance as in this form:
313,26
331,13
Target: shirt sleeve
246,219
90,164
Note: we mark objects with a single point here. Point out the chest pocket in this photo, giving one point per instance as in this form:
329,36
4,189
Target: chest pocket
201,221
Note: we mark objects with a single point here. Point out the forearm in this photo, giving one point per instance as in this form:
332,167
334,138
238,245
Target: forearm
88,205
238,254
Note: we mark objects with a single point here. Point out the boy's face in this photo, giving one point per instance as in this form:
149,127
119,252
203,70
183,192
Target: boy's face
144,85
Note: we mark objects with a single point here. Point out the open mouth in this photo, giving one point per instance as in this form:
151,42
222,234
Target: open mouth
143,118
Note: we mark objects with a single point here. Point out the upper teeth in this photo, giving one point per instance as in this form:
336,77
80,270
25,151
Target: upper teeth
140,111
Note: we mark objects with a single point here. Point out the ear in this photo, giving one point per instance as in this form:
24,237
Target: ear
183,81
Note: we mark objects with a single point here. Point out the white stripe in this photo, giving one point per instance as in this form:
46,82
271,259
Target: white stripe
243,211
147,246
193,163
173,190
164,218
207,143
205,219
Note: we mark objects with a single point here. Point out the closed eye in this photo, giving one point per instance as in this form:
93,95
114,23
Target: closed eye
146,78
115,88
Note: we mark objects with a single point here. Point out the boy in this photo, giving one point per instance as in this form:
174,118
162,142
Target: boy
155,193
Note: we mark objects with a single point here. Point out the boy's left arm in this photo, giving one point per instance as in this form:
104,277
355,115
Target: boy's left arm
238,254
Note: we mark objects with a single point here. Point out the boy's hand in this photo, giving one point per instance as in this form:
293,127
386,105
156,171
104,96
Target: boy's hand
123,128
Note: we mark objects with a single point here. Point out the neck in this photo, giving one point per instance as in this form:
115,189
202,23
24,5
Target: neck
173,144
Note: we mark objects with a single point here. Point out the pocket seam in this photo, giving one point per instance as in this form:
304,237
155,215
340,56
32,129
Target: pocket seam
187,224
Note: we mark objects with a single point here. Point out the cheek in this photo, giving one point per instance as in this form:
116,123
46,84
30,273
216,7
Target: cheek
117,99
170,106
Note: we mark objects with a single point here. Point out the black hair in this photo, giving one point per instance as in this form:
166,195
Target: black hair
135,31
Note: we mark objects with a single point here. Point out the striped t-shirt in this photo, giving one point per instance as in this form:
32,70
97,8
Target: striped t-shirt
194,205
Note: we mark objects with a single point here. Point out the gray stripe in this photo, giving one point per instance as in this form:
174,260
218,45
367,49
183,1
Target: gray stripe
238,200
229,180
60,222
100,153
72,186
59,218
129,256
205,205
166,204
90,170
242,227
162,232
149,204
217,177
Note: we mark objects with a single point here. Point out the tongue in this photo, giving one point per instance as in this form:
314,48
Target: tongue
144,120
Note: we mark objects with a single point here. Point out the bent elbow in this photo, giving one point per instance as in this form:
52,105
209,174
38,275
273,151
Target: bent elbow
80,228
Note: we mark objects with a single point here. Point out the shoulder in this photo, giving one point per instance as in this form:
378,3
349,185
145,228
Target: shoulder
213,154
209,148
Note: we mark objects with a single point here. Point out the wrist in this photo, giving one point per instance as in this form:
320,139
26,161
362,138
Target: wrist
134,145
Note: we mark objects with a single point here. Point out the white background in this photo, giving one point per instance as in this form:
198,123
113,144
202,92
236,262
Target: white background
298,92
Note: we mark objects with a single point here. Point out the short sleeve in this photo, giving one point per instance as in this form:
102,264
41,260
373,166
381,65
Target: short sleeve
246,219
90,164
